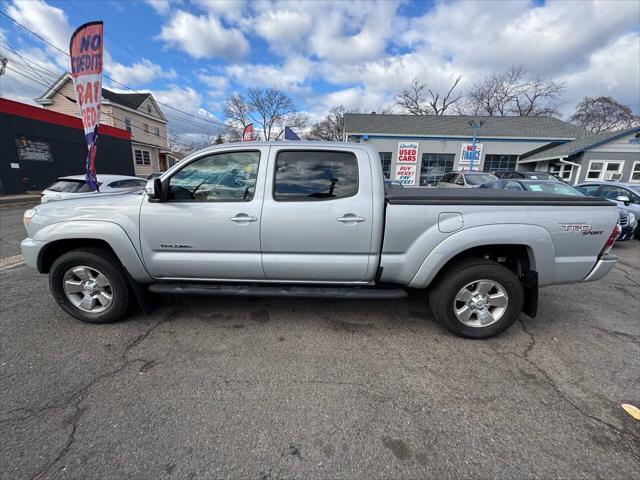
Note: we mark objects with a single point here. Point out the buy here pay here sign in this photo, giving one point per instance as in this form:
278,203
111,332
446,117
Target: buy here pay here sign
406,163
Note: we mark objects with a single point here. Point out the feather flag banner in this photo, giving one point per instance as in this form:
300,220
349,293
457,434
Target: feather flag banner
85,49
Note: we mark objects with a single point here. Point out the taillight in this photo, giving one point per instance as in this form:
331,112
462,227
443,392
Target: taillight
615,233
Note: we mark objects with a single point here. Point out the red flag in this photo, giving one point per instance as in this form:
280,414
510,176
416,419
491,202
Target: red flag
86,70
247,133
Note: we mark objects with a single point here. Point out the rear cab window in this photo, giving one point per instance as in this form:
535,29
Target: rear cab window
314,175
66,185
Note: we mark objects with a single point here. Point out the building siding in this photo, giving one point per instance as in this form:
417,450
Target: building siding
114,115
426,145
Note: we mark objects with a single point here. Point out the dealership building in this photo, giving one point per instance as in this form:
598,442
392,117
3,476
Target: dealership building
418,150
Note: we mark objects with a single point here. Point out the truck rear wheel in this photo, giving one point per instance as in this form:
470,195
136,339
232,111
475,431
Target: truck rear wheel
90,285
477,298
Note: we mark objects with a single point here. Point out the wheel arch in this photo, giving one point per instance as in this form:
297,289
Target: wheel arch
529,246
62,237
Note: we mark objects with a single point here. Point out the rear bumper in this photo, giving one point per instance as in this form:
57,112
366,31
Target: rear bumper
603,266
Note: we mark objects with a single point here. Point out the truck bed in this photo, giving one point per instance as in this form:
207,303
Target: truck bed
485,196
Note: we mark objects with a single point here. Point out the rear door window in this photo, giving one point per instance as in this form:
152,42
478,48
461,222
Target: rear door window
69,186
304,176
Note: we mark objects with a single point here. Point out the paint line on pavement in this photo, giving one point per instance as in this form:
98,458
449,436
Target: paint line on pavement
10,262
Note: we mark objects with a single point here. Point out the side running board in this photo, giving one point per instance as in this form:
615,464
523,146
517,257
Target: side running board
276,291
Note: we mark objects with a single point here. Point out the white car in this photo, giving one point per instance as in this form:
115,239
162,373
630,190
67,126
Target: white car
75,186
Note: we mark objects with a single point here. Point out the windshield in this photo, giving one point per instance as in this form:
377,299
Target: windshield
557,188
70,186
479,179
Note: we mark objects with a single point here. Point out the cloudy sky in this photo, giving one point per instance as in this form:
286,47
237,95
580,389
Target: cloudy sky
193,53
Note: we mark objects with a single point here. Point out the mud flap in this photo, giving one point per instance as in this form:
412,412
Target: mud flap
529,282
147,301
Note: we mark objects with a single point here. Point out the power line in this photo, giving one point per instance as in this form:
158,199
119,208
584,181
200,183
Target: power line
142,129
57,75
106,76
77,9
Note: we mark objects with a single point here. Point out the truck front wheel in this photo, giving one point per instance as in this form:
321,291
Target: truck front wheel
90,285
477,298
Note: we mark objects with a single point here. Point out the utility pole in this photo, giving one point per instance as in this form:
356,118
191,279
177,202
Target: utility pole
475,125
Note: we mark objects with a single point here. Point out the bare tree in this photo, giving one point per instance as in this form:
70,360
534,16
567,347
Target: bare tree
331,127
515,92
269,109
238,113
419,99
603,114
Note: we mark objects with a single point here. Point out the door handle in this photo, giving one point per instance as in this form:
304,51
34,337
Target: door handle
242,218
351,218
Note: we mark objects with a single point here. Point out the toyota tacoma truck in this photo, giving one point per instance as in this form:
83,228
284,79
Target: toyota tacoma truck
313,219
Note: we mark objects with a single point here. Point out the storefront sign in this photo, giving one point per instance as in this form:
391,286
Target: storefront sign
407,152
406,174
465,156
34,150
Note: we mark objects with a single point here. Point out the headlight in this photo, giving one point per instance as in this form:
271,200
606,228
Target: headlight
28,215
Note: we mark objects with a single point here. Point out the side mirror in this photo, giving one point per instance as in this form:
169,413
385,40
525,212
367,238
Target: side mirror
153,189
624,199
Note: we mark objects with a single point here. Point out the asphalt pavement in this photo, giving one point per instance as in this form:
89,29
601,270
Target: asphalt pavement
279,388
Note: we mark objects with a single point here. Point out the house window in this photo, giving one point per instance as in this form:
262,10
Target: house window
434,166
145,127
499,163
148,108
385,160
156,131
127,124
605,170
635,173
561,170
143,157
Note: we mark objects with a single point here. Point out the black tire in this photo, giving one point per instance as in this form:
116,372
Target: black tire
102,261
442,296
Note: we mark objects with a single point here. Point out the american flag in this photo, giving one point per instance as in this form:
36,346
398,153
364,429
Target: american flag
290,134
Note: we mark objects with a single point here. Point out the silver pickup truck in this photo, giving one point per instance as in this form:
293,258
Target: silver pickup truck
313,219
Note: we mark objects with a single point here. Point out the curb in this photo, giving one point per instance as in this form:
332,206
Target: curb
19,199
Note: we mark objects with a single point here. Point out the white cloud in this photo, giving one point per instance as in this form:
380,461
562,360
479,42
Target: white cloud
203,36
162,7
283,29
188,100
138,73
217,83
49,22
230,10
290,76
613,70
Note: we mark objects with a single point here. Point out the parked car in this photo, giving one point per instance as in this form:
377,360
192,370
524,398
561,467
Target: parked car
530,175
624,194
628,224
628,220
388,183
530,185
465,179
314,220
75,186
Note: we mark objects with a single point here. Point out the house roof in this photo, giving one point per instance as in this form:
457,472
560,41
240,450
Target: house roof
130,100
575,146
458,126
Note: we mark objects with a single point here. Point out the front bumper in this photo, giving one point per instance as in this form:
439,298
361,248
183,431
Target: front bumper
627,233
603,266
30,251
